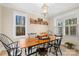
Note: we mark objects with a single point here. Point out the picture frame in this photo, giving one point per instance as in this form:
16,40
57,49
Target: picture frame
38,21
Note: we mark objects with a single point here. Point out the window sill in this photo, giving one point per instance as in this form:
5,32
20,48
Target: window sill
20,36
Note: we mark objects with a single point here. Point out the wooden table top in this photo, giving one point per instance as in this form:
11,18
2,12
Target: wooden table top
34,41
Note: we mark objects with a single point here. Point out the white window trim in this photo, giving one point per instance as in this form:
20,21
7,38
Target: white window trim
14,23
69,28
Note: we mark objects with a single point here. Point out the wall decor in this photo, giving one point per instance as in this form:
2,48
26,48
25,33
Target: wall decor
38,21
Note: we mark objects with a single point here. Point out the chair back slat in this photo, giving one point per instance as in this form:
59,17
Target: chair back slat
5,39
58,40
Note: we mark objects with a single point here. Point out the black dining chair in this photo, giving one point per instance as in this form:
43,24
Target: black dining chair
55,45
43,48
42,51
11,47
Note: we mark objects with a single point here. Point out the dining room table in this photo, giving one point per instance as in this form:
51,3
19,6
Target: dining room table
31,42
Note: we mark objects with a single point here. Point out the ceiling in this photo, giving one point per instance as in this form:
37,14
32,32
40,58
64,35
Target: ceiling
53,8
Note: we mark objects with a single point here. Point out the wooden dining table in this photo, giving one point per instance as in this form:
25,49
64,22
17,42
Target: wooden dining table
30,42
34,41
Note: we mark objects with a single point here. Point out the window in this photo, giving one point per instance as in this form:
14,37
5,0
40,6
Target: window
60,30
60,24
73,30
70,26
20,25
66,30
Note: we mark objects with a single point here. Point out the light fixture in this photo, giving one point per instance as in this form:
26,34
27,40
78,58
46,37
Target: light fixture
44,10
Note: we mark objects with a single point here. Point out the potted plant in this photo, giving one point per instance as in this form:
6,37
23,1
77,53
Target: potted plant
69,45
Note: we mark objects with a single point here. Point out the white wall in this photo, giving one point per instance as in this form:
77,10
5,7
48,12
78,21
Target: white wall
51,24
37,28
63,17
7,22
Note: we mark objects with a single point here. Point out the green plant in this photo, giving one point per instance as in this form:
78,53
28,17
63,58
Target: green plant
69,45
